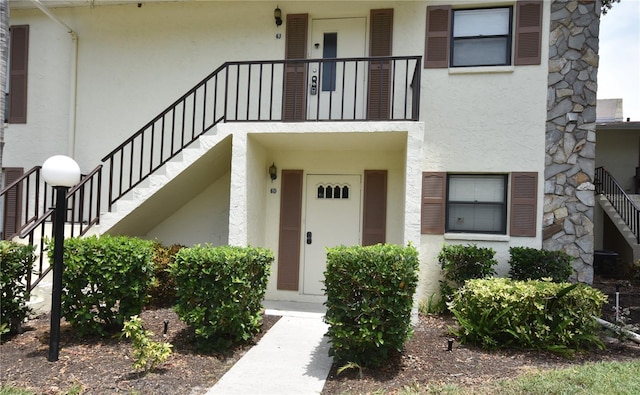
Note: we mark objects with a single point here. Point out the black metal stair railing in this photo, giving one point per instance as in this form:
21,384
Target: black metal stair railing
34,218
607,185
360,89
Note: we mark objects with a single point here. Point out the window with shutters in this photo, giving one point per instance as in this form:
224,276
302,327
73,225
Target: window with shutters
479,37
480,203
476,203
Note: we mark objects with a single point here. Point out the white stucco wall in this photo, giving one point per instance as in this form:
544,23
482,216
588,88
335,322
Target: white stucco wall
46,132
484,120
204,219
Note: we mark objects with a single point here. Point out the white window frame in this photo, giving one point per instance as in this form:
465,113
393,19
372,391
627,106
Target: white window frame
462,34
467,199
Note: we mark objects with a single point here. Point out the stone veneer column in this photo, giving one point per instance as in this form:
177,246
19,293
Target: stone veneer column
570,146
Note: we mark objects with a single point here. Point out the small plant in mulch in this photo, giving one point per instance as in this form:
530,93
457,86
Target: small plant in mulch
147,354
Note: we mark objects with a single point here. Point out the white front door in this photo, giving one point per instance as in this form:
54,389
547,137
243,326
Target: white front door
332,219
336,89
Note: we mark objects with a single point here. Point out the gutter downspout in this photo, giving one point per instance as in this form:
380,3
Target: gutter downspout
73,79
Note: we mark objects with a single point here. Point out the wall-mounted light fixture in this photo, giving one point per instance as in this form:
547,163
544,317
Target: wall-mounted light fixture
273,172
572,117
277,13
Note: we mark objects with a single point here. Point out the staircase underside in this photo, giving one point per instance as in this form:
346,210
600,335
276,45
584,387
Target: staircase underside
626,243
166,191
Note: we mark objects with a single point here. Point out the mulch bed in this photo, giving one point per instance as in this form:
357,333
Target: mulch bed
103,366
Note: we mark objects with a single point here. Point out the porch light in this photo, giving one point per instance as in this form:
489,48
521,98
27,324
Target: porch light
61,172
277,13
273,172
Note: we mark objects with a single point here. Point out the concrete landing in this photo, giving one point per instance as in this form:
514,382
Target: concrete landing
291,358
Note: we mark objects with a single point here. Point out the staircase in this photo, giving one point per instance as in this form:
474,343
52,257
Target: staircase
622,209
183,140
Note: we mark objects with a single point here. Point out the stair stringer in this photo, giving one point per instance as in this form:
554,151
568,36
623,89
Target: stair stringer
619,223
171,170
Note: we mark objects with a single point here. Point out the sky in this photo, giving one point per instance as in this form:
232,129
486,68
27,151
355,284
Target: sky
619,67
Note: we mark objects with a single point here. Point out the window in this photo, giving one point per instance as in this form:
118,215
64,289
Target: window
480,203
481,37
329,50
476,203
484,37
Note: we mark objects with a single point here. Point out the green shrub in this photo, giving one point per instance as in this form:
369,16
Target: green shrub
220,292
504,313
533,264
106,281
461,263
16,260
163,290
369,300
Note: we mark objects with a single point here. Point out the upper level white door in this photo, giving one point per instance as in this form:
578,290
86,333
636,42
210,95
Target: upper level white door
336,89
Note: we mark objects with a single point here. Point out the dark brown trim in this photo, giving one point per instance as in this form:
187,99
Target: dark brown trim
380,44
434,196
524,198
528,33
438,33
290,230
18,72
374,216
12,203
295,78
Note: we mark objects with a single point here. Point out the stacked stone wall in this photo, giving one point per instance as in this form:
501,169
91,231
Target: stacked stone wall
570,144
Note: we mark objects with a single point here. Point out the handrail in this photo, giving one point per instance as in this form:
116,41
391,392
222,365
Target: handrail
384,88
83,202
607,185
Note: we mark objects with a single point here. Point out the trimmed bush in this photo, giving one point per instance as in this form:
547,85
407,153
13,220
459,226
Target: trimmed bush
220,292
533,264
16,260
504,313
369,300
461,263
106,281
163,290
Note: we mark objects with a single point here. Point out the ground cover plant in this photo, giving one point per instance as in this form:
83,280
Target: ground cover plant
505,313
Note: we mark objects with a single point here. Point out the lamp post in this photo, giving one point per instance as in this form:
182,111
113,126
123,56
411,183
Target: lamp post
61,172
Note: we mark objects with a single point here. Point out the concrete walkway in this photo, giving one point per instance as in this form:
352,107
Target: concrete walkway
291,358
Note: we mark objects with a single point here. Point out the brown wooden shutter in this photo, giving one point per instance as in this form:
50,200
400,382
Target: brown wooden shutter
437,42
524,198
12,203
295,74
528,32
18,63
434,199
374,222
290,230
381,37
